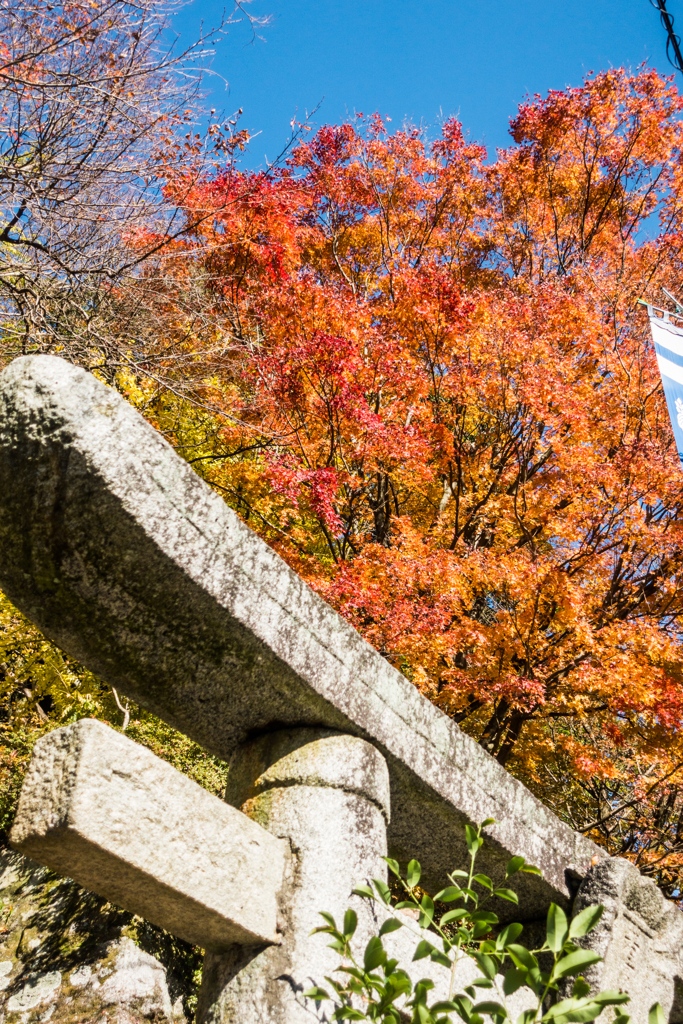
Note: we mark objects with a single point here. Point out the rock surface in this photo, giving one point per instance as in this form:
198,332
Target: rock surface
106,811
640,937
118,551
68,957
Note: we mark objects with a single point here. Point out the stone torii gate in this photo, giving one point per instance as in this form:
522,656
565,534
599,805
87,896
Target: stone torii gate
119,552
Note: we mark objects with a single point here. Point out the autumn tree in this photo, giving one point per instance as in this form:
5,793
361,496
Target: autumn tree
97,106
422,378
428,387
96,102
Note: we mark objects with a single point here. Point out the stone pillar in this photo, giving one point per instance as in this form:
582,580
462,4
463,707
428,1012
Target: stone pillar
328,794
640,937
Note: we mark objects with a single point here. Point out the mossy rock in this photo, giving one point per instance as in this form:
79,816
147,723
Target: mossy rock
68,956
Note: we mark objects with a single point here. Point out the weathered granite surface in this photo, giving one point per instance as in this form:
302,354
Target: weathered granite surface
117,550
69,957
640,937
101,809
329,795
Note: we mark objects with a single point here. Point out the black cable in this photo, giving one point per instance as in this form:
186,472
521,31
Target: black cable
673,41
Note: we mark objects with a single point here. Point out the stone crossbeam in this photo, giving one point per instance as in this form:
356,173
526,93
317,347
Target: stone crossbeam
117,550
101,809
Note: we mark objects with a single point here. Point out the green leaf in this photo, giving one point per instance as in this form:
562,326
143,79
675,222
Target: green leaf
574,963
464,1005
584,1008
383,890
586,1012
393,866
316,993
390,925
522,957
485,963
414,873
398,984
573,1010
453,915
355,972
557,928
528,869
446,1006
374,954
564,1006
487,822
509,934
422,950
526,1016
506,894
348,1013
611,997
423,1014
452,892
486,916
422,987
656,1015
330,920
536,981
350,923
514,979
621,1018
483,880
580,988
426,912
474,841
585,922
401,978
515,864
336,985
364,890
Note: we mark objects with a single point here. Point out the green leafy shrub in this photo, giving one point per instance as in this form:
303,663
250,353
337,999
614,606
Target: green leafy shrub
374,987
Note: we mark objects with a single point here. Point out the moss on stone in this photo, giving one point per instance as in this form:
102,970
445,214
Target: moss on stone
51,928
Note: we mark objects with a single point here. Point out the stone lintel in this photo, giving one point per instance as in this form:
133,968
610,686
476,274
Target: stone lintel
105,811
117,550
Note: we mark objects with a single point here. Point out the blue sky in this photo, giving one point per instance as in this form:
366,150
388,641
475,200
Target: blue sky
419,61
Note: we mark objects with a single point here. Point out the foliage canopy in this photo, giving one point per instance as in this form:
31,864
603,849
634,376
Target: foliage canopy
427,386
421,377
